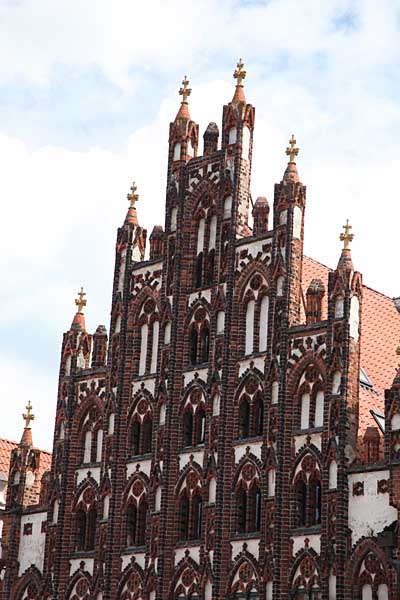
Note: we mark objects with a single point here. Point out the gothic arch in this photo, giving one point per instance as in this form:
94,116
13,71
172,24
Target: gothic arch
305,572
187,579
367,566
29,586
244,576
79,586
132,584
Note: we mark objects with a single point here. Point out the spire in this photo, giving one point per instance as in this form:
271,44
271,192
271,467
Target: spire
133,197
26,439
79,318
292,151
185,91
345,263
239,74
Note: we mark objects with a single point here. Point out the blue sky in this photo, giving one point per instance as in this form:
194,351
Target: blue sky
87,90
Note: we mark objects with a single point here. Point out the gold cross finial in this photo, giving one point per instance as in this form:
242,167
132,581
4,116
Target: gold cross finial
291,150
346,237
80,301
240,73
133,197
185,91
28,416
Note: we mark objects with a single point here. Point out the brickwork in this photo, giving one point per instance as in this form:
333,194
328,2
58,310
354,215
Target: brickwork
206,451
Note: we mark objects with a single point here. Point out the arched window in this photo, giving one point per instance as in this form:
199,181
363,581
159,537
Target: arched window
91,529
147,431
254,519
141,430
196,516
205,343
135,438
244,418
301,503
193,344
248,509
148,335
200,427
80,530
184,516
258,415
241,503
142,522
315,495
308,498
188,427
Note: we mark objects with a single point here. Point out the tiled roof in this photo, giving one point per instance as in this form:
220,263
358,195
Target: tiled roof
7,446
380,334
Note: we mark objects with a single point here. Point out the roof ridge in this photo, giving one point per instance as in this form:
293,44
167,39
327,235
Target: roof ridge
364,284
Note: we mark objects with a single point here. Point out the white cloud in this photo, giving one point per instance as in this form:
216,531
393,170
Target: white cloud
61,208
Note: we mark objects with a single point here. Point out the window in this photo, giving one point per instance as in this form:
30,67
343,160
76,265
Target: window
136,521
85,529
244,418
194,420
80,527
190,515
308,500
140,432
193,344
188,427
301,503
148,335
199,338
248,509
251,410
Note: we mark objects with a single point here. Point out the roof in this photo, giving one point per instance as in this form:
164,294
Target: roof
380,333
7,446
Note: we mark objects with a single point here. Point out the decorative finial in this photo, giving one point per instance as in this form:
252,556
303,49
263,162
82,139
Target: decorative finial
346,237
28,416
291,150
239,73
80,301
185,91
132,196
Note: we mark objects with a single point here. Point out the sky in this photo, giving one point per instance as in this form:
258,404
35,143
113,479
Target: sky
87,91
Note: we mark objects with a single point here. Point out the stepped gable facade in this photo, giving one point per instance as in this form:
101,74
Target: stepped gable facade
219,442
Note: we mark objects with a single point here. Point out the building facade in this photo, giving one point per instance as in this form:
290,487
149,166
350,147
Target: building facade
231,438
